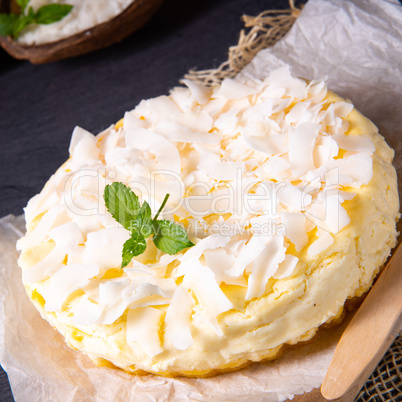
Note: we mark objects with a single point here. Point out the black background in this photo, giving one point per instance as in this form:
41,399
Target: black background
41,104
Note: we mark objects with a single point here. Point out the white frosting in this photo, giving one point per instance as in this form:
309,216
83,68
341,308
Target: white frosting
84,15
251,168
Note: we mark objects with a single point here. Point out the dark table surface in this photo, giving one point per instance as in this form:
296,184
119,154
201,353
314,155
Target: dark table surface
41,104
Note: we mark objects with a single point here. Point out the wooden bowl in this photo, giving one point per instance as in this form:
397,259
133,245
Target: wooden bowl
100,36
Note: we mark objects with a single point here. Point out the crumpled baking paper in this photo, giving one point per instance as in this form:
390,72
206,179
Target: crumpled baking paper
357,45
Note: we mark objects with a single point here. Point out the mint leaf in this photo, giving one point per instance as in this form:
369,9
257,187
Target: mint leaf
20,24
134,246
51,13
170,237
23,4
12,24
122,203
31,13
7,24
143,220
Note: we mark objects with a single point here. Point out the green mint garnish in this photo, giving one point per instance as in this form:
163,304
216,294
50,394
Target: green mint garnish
124,206
23,4
170,237
122,203
51,13
13,24
134,246
8,23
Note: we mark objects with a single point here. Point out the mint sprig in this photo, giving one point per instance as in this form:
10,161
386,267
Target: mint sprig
13,24
23,4
124,206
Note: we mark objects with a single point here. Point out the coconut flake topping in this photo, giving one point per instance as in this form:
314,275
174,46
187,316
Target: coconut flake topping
253,168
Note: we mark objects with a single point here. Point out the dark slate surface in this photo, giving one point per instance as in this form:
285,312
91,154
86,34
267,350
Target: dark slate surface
40,105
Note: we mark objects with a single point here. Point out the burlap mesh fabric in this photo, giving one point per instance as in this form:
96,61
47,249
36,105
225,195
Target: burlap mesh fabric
262,31
385,384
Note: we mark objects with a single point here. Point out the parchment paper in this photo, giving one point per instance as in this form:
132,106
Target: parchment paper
358,45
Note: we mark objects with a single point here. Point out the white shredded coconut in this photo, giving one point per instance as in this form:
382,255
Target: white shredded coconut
84,15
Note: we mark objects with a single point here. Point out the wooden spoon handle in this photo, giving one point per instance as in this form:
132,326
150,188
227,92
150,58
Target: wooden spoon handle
368,335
